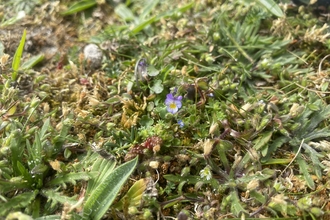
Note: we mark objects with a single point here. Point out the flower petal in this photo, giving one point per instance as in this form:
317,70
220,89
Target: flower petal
178,104
169,99
172,110
170,96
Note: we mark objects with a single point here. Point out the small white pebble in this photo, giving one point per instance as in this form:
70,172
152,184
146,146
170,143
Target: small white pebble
154,164
93,55
20,15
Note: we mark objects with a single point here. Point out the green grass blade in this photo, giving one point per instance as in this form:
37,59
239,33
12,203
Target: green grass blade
49,217
148,8
125,13
106,191
144,24
79,6
32,61
17,57
45,128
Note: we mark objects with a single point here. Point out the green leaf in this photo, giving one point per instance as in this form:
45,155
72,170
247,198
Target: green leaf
18,216
152,71
59,197
278,142
13,184
313,107
106,190
59,140
146,121
79,6
304,170
276,161
262,176
32,61
236,207
44,128
20,201
149,6
18,56
144,24
49,217
157,86
318,117
178,179
134,195
105,168
24,172
263,140
125,13
222,148
71,178
257,196
314,155
272,6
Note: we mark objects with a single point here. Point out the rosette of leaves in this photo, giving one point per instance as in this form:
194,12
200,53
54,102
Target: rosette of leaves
26,178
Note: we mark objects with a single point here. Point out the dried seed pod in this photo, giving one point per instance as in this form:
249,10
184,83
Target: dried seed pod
141,72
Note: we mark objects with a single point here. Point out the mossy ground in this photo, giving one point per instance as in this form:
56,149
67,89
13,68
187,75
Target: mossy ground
250,140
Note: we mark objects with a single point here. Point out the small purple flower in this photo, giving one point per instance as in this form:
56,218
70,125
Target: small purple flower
181,124
173,103
175,90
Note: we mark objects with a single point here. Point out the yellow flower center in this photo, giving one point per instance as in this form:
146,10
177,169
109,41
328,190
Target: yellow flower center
172,105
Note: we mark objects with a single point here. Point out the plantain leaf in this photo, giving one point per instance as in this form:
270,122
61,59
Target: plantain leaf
106,188
104,167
